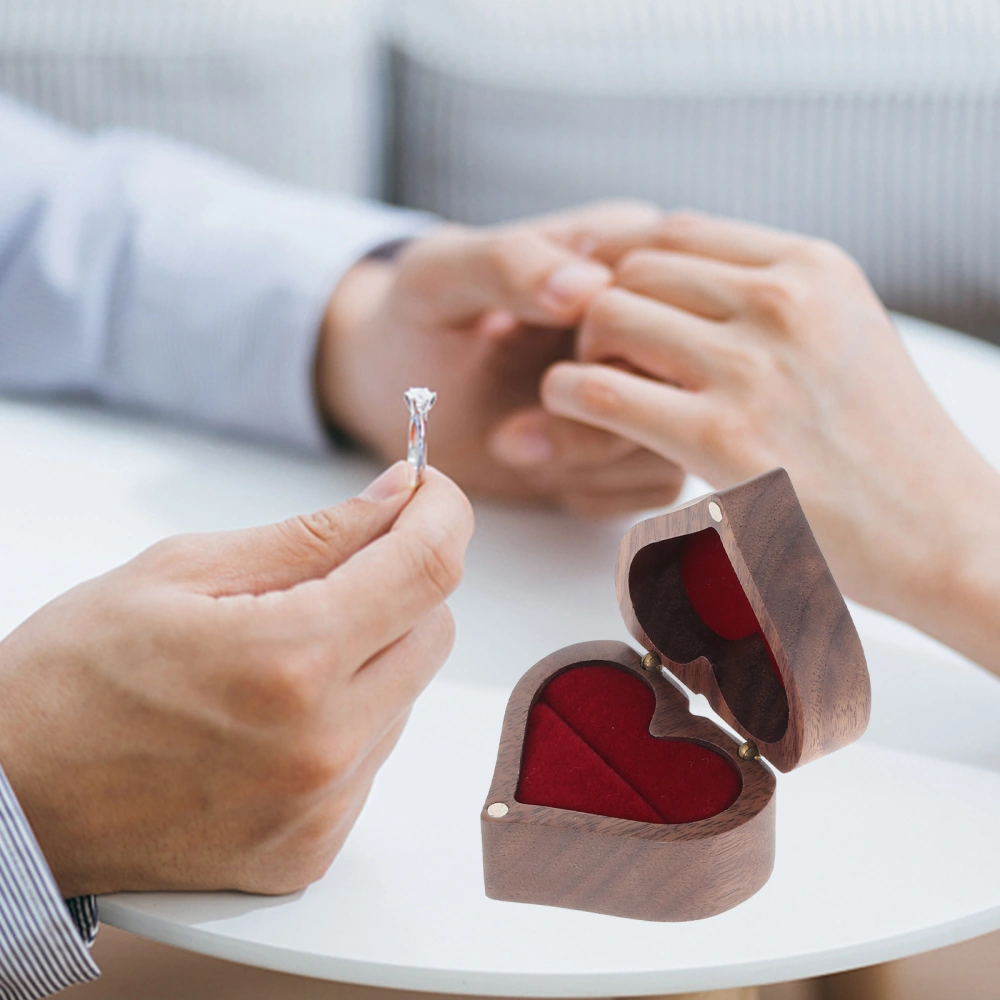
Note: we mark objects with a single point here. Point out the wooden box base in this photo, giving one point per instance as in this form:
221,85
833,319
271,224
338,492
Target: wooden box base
625,867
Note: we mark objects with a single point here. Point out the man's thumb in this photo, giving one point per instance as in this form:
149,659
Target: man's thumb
307,547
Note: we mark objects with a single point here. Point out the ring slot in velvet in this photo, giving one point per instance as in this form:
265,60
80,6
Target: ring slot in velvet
607,711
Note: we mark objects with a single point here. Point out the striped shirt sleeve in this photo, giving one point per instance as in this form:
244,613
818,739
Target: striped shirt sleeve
43,947
83,910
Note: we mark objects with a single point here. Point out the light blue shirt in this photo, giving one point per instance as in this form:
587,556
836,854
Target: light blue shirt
143,273
149,274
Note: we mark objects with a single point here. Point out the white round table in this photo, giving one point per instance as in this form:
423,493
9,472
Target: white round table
883,850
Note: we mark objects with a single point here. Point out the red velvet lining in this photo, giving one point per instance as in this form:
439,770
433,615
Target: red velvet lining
716,594
587,747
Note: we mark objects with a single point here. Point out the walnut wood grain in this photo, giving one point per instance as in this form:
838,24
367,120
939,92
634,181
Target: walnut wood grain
826,698
649,871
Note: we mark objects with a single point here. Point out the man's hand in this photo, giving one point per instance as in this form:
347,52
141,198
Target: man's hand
729,349
211,715
478,315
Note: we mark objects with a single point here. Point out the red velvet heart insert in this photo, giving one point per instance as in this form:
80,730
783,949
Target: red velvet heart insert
716,594
587,747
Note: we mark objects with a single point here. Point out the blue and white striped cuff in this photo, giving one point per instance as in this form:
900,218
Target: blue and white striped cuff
42,948
83,910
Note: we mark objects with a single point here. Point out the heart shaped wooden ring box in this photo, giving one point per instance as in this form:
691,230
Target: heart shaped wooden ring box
608,795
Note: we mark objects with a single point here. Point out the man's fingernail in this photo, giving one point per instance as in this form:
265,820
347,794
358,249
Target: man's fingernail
395,479
523,447
572,283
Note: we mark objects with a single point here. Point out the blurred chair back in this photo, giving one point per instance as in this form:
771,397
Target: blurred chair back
290,87
875,123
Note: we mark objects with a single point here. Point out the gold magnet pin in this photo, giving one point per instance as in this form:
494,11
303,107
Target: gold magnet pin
651,662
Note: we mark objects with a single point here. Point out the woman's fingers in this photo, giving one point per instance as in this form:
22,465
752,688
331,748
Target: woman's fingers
641,471
533,439
705,236
589,471
709,288
662,418
584,228
658,339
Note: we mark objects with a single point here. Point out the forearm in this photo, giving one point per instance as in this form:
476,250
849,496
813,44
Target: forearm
152,275
957,597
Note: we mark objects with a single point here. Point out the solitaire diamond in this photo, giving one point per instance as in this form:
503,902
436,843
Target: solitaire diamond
420,400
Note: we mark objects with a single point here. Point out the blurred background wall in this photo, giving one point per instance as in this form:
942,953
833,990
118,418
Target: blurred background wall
875,123
290,87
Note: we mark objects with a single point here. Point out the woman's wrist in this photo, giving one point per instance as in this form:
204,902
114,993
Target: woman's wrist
956,596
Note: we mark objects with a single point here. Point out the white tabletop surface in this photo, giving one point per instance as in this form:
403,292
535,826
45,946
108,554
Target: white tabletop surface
884,849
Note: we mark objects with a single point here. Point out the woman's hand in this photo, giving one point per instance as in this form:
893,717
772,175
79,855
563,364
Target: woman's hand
478,315
729,349
211,715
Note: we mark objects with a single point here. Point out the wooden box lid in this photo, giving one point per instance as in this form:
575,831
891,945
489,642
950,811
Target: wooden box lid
733,594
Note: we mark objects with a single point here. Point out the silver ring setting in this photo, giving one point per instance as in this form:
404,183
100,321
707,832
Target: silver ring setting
419,402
